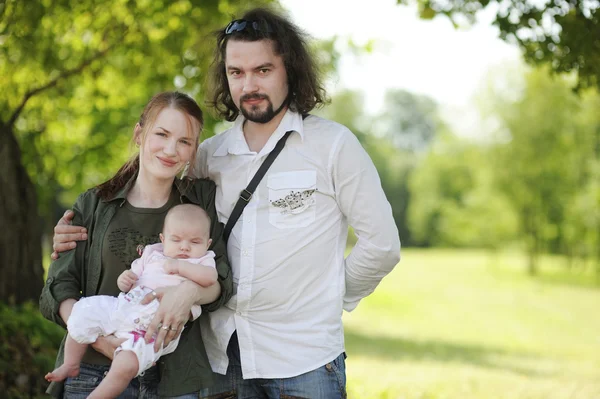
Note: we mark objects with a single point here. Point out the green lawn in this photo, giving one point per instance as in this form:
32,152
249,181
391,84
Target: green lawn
463,324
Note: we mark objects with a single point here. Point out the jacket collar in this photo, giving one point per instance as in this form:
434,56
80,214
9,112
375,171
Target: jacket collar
235,142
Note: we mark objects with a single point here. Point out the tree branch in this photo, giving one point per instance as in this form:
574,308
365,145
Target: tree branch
55,81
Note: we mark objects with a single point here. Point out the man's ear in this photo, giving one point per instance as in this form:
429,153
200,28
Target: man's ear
162,238
137,135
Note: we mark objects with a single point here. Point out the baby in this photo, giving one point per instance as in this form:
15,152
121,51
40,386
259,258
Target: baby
182,255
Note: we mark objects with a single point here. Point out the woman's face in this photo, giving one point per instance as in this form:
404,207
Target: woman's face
169,144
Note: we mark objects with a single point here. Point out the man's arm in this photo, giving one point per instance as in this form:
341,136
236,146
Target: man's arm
363,202
65,235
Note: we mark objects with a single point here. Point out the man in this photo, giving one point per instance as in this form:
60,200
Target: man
281,334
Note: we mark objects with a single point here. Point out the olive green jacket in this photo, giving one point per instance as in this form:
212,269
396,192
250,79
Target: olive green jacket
77,273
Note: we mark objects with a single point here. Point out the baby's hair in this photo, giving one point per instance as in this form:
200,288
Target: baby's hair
191,211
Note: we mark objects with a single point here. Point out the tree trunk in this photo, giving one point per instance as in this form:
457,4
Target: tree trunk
21,270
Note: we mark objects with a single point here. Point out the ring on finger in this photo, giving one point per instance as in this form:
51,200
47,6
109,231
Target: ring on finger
166,328
173,329
154,294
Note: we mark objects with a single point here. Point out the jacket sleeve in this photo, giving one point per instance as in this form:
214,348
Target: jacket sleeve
361,199
219,247
64,279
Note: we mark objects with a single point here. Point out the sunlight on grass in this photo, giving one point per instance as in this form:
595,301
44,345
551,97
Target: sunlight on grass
465,324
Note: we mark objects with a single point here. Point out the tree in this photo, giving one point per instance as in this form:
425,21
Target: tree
454,201
564,34
409,120
75,76
543,158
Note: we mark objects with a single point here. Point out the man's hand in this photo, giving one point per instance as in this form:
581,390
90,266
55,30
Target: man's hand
65,235
107,345
126,280
171,266
174,311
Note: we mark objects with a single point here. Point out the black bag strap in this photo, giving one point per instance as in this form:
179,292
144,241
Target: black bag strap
246,193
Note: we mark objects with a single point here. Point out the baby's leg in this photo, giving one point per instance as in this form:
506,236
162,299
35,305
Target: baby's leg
123,369
74,352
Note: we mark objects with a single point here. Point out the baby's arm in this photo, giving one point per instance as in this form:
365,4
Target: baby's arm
126,280
204,276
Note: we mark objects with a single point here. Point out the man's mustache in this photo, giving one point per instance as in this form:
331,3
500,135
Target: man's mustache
254,96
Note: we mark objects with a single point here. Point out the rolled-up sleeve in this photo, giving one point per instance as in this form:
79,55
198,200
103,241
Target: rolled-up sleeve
362,201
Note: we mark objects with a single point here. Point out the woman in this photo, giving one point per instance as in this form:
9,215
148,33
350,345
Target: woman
124,214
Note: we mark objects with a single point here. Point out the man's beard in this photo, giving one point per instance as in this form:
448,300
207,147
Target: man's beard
254,114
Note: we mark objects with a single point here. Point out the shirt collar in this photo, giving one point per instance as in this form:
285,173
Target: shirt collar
235,143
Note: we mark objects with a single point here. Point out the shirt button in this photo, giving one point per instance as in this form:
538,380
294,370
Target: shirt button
245,252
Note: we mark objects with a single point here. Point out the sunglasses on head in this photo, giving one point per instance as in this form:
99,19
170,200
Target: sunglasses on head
239,25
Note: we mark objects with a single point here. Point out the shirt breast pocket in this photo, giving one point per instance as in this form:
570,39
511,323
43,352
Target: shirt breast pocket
292,199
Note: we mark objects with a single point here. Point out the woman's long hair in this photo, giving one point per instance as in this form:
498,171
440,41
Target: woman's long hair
170,99
306,90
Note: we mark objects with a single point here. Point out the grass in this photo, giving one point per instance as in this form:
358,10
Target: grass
465,324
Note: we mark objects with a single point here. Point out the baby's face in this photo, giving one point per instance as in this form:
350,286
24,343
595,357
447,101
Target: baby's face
182,239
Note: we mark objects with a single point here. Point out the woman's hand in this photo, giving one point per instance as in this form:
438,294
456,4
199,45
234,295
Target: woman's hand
107,345
172,314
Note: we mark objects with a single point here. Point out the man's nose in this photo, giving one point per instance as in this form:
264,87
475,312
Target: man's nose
250,85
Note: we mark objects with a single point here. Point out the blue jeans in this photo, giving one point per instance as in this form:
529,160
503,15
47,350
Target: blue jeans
325,382
91,375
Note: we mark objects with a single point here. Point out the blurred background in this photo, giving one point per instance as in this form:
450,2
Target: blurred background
482,117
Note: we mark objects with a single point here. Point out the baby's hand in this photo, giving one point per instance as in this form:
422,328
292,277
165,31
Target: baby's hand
126,280
171,266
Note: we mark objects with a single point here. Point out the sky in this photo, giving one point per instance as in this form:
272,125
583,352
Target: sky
424,57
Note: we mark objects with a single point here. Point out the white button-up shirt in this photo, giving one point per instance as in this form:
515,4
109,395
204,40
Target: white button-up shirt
286,251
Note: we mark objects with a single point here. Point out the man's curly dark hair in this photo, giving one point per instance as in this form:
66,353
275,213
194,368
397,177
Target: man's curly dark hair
306,90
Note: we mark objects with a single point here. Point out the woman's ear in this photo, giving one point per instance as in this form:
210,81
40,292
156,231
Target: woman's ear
137,135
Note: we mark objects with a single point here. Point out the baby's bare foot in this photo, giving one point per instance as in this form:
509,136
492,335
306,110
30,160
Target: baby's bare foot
62,373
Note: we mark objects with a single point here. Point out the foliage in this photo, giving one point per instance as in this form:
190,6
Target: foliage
564,34
76,76
454,201
545,160
28,346
409,120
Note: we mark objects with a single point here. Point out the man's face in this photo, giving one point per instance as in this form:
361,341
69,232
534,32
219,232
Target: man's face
257,79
